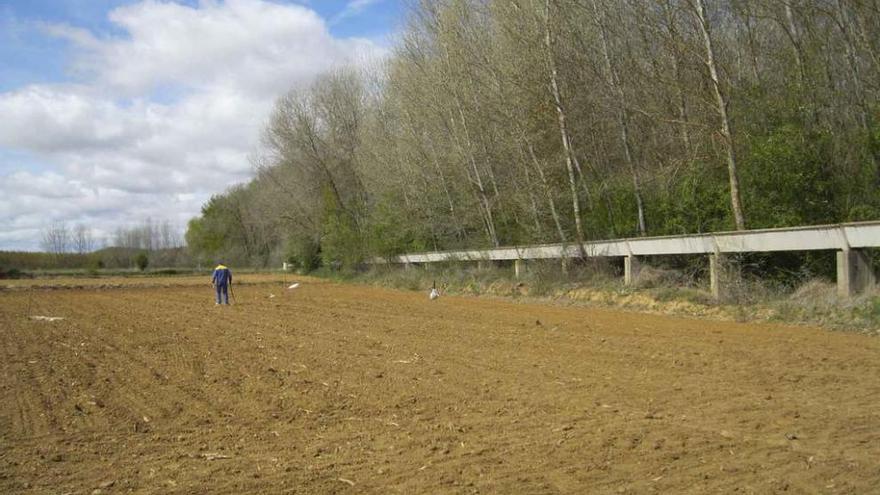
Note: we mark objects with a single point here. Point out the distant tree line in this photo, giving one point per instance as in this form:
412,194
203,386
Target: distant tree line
524,121
57,238
157,244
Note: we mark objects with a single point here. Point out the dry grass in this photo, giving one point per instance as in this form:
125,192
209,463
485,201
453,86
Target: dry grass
658,290
817,302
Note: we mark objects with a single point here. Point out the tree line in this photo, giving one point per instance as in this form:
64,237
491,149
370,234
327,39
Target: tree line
150,243
525,121
58,238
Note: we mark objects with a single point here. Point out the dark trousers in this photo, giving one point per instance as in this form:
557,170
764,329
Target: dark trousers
222,290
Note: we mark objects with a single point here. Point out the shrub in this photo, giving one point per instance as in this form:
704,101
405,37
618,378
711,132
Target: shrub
142,260
341,243
12,273
304,254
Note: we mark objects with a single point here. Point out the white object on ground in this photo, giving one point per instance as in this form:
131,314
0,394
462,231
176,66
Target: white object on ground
434,294
271,296
47,318
294,286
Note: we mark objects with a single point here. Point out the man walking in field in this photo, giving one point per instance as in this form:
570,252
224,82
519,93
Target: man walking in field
221,280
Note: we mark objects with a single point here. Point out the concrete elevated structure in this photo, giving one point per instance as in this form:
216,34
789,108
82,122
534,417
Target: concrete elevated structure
854,271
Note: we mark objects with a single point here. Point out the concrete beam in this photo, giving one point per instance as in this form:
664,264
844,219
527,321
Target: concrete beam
827,237
854,273
631,269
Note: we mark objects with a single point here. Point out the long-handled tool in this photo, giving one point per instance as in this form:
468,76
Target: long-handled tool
232,292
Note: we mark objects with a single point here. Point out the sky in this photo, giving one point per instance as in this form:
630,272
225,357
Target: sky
113,112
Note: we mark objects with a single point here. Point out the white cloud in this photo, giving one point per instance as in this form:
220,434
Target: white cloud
62,118
353,8
161,117
77,35
248,45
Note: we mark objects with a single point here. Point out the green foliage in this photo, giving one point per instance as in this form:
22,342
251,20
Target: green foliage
863,212
341,243
389,236
787,180
41,261
874,144
303,253
206,236
698,202
11,273
862,190
94,266
27,261
167,271
142,260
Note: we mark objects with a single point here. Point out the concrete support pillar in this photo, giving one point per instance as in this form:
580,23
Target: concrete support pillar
716,275
854,272
631,268
564,265
518,266
482,265
407,266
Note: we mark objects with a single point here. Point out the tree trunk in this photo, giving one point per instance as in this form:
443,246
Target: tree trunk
486,205
726,129
683,115
843,23
547,192
622,120
563,130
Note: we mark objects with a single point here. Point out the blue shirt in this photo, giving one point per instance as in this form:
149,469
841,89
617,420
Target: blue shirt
222,275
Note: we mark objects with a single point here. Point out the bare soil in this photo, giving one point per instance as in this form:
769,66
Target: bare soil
332,388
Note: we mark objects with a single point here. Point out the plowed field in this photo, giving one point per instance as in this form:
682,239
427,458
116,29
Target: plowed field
332,388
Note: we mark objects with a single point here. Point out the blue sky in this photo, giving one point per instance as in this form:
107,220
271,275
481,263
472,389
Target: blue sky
120,110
